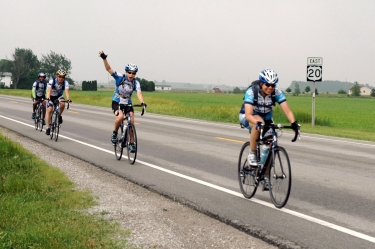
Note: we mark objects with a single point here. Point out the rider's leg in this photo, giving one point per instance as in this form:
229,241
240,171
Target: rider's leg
48,113
44,108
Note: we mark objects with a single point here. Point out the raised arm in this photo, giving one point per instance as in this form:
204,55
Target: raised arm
106,64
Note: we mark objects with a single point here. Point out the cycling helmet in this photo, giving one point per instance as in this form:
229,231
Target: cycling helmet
131,67
41,75
268,76
61,72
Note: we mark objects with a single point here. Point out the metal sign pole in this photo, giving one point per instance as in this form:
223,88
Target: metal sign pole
313,106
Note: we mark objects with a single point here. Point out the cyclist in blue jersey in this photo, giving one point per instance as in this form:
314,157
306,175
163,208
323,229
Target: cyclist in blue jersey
38,93
126,84
55,94
255,112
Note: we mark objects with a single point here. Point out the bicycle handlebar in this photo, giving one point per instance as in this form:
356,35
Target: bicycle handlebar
280,126
143,109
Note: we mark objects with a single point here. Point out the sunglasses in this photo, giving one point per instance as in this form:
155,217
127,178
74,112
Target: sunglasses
61,77
269,85
42,77
133,73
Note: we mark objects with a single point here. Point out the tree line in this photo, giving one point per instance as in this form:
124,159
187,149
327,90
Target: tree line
89,85
25,66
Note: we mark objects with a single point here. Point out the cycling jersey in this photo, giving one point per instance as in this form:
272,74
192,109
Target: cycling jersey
39,89
57,89
264,105
124,88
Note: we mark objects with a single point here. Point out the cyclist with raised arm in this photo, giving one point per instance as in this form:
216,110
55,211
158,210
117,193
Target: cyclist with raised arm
38,93
55,94
257,109
126,84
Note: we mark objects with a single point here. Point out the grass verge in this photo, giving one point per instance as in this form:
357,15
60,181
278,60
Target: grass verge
40,208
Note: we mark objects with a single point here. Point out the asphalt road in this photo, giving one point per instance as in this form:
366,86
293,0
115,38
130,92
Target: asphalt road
332,200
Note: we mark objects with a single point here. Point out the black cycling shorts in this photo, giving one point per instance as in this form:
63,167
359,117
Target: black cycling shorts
124,108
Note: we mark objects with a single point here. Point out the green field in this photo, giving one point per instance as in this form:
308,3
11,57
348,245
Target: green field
334,115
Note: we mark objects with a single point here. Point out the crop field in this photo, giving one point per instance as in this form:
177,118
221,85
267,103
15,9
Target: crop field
334,116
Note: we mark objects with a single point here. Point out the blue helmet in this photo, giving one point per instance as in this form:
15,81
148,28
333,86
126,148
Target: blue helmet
268,76
131,67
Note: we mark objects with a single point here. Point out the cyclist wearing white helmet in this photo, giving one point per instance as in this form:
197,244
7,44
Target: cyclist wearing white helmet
126,84
257,108
55,94
38,93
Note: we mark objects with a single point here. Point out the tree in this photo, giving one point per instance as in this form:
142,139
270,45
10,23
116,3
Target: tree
297,91
341,91
288,90
146,85
52,62
237,90
372,92
23,61
307,89
5,65
356,89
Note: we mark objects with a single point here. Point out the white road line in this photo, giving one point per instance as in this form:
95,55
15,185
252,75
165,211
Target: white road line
228,191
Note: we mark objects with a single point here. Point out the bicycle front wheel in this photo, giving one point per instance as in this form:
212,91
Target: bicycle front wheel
131,143
246,177
119,145
57,128
40,121
280,177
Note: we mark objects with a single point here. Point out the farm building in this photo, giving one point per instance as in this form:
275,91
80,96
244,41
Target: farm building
163,87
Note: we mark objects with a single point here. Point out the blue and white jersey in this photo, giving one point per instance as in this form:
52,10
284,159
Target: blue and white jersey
57,89
39,88
264,107
124,88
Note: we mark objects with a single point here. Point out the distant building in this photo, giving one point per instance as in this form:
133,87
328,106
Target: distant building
216,90
6,78
163,87
365,91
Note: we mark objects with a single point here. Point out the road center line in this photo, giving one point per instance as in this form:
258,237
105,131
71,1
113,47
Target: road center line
228,191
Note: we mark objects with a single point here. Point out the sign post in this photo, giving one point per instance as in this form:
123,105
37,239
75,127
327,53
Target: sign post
314,73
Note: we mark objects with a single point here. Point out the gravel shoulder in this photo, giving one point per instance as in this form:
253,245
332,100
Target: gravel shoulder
154,221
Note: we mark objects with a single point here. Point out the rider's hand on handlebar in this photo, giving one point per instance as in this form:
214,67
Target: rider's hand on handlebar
144,104
258,125
295,126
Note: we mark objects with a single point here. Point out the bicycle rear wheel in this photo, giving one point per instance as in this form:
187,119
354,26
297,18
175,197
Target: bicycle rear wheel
57,128
246,178
36,123
131,143
280,177
119,145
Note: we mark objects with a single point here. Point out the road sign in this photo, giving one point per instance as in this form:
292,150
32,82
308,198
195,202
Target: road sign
318,61
314,73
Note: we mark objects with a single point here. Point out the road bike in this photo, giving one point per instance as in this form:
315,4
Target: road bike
276,166
127,136
54,123
38,115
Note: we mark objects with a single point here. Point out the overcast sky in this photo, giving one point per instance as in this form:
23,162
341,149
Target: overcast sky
198,41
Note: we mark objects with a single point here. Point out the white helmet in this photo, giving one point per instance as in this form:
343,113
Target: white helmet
268,76
131,67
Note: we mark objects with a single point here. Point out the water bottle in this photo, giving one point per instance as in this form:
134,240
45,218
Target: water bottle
264,154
